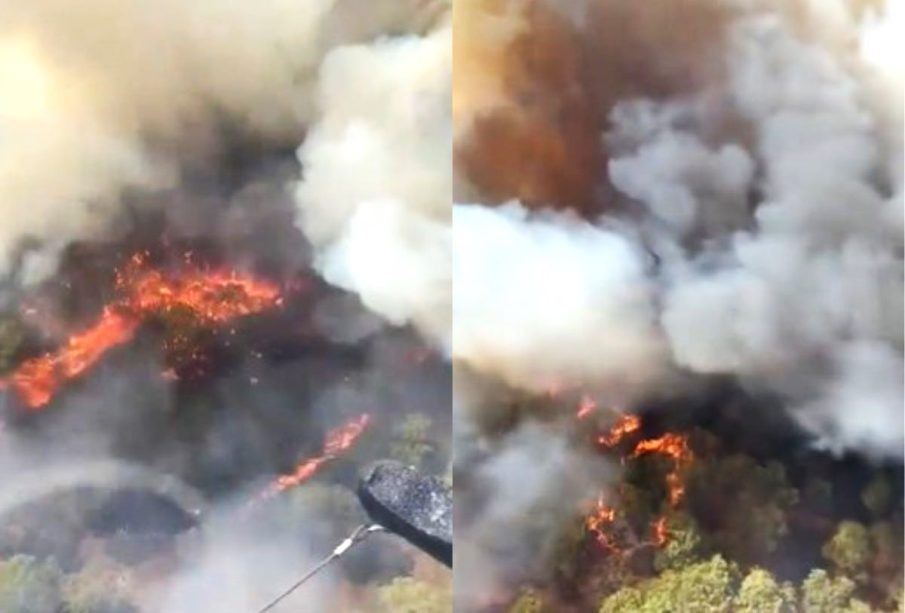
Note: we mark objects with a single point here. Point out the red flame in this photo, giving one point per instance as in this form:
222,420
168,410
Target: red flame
212,296
336,442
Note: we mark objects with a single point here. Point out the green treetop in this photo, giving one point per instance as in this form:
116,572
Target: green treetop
409,595
760,593
410,444
821,593
28,585
849,550
697,588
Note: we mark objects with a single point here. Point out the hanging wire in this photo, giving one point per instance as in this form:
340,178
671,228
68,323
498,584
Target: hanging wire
358,535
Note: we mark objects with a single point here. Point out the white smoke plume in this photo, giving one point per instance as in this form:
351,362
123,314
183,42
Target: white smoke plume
551,299
374,198
772,200
79,112
819,276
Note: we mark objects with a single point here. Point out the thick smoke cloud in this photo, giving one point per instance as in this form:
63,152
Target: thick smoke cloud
552,286
756,232
80,113
374,199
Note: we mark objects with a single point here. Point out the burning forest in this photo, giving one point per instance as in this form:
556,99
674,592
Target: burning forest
232,352
224,290
677,326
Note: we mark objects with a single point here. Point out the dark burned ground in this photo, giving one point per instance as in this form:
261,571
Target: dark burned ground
133,524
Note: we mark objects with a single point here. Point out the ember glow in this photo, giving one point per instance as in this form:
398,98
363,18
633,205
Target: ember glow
213,297
337,441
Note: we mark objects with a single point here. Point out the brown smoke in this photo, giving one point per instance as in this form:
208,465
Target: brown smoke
534,82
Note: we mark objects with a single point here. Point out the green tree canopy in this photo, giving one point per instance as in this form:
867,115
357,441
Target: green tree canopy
849,549
877,496
684,543
28,585
702,587
528,601
409,595
885,573
821,593
753,501
410,439
11,336
760,593
99,587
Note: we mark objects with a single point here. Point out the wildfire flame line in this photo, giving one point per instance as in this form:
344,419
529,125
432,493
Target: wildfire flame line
214,297
336,442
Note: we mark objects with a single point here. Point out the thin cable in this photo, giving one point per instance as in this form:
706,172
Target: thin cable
357,536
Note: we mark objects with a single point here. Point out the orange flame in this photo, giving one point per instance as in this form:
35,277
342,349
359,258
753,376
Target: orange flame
215,297
674,446
599,523
337,441
660,532
37,380
626,425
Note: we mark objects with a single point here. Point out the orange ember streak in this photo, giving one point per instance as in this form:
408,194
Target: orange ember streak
37,380
670,444
626,425
215,297
337,441
661,534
